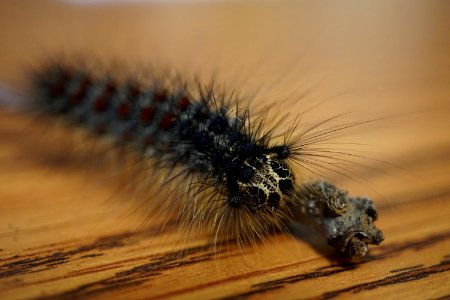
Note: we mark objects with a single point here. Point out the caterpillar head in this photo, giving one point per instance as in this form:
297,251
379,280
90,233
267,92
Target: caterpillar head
263,182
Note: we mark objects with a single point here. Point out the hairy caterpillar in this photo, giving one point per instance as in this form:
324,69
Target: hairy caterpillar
241,186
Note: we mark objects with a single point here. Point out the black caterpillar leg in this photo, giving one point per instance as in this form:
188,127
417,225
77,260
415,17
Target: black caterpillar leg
347,222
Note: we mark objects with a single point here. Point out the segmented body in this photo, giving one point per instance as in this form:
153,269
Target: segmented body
247,181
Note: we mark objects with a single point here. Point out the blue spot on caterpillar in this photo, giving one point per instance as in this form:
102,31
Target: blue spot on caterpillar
242,187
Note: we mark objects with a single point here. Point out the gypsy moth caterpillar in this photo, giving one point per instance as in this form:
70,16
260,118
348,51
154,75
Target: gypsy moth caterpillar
239,183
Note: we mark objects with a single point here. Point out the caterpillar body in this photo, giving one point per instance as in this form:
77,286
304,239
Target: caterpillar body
241,186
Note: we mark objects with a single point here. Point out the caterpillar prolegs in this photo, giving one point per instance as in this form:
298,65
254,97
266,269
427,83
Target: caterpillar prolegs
240,185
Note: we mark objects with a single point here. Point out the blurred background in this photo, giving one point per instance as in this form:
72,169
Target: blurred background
367,59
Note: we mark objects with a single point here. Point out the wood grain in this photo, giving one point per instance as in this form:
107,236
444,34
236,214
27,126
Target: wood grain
66,233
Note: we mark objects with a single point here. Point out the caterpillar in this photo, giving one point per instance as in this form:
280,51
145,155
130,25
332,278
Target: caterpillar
240,184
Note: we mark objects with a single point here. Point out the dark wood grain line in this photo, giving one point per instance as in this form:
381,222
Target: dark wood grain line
405,269
92,255
385,252
325,271
280,283
102,243
39,263
126,262
407,276
21,264
230,279
142,273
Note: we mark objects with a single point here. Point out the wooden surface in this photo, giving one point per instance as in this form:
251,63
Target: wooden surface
65,232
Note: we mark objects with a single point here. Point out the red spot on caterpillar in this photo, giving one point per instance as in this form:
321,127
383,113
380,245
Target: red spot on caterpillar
80,94
161,96
110,88
101,103
124,110
183,103
146,114
167,121
134,91
58,88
